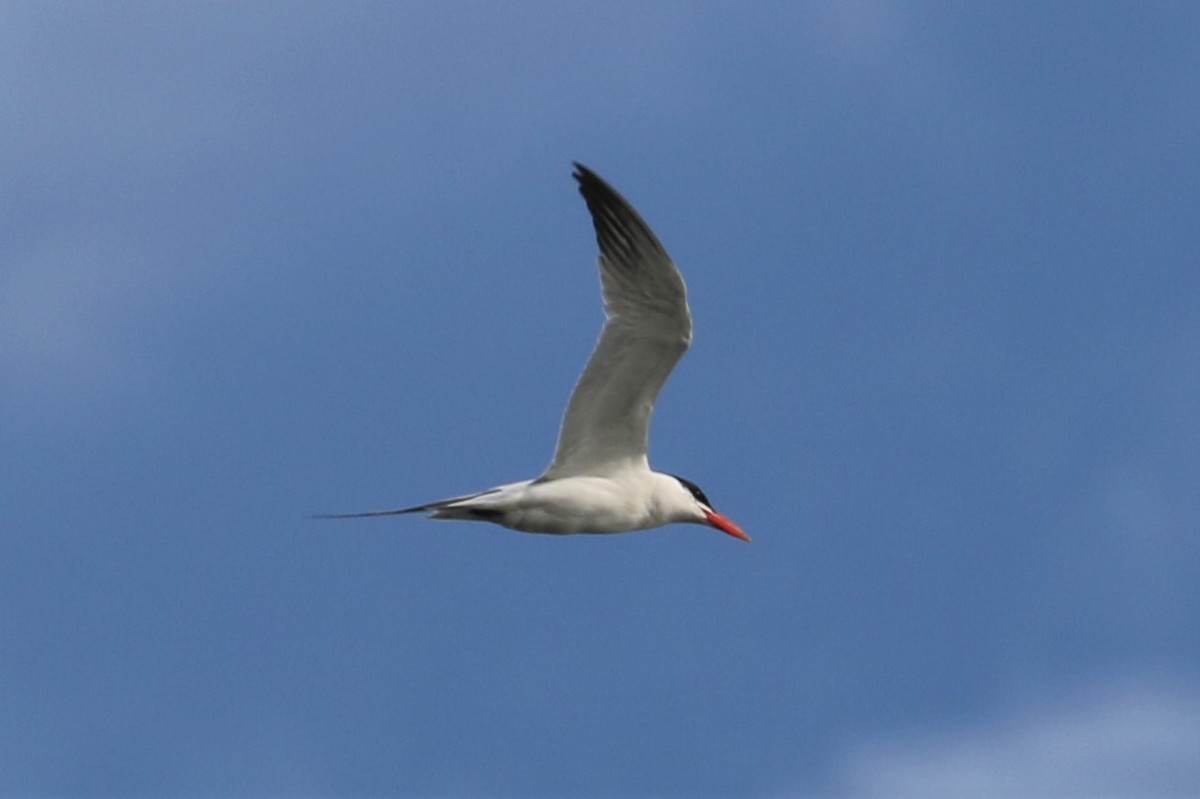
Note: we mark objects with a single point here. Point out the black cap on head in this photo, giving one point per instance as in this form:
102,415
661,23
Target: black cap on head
694,489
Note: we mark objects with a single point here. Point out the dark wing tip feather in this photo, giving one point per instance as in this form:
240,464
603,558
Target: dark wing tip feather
620,232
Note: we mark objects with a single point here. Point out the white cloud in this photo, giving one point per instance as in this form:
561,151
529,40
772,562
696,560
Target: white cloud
1129,738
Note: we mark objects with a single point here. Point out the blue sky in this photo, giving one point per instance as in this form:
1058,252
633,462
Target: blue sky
260,261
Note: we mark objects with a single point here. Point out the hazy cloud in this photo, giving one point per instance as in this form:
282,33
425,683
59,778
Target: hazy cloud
1127,738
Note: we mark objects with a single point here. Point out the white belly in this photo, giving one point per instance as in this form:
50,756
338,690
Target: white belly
577,505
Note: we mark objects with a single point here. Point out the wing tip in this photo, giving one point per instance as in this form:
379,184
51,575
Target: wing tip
620,230
585,177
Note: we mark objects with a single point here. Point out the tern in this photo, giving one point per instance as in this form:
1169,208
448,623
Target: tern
600,479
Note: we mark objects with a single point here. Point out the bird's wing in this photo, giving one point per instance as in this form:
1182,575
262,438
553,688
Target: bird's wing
648,327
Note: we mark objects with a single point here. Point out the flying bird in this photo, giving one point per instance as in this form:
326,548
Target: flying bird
600,479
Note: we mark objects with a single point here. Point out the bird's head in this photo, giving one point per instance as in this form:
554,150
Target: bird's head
695,507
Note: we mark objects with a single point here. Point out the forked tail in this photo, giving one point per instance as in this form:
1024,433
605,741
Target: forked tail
441,509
